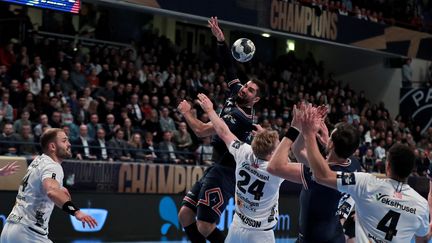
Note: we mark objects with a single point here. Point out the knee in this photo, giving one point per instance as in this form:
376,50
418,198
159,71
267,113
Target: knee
186,216
205,228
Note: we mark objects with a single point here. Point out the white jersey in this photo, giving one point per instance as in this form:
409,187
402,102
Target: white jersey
386,210
33,207
257,191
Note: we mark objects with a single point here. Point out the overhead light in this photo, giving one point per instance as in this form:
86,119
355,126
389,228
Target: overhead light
267,35
290,45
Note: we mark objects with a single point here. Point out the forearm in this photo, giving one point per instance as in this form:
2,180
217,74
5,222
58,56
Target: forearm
226,60
197,126
299,151
317,163
279,158
219,125
58,196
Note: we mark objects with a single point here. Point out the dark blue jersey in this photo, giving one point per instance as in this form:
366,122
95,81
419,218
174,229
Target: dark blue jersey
238,119
318,219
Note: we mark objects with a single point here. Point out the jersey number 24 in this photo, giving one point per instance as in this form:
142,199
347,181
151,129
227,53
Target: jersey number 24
255,188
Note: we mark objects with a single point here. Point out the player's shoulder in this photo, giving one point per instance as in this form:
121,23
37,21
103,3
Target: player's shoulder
417,198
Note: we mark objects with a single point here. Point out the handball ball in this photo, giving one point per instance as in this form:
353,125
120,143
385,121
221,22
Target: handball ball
243,50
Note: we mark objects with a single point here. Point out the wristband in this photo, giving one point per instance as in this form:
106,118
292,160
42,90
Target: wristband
70,208
292,133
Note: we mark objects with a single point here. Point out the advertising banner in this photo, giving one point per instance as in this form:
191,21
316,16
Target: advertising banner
138,178
123,217
305,20
416,104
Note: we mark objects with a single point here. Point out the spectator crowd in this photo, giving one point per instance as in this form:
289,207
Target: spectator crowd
119,104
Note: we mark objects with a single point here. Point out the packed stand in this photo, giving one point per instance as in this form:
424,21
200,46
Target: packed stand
119,104
408,14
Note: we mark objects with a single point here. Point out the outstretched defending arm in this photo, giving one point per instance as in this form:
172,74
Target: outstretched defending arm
200,128
62,199
219,125
322,172
9,169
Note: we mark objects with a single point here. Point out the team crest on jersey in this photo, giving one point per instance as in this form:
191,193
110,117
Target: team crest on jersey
347,178
236,144
53,176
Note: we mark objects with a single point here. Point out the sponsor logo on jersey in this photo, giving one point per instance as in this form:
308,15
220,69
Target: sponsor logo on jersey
249,167
386,199
248,221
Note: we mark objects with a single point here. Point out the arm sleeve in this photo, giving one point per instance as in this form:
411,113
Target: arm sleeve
227,63
306,176
353,183
239,150
424,227
53,171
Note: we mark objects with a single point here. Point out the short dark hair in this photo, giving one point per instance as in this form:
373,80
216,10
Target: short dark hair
346,140
48,137
401,159
261,87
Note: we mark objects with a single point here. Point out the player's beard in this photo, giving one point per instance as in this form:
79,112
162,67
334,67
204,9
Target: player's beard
241,101
64,153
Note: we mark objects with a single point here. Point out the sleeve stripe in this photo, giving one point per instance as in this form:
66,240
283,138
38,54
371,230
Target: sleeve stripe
305,185
233,82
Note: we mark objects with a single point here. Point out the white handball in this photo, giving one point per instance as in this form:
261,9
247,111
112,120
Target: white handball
243,50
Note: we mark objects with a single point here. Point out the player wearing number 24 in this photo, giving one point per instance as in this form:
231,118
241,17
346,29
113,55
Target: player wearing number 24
257,191
386,209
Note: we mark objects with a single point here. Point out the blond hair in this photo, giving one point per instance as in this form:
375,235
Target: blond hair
264,143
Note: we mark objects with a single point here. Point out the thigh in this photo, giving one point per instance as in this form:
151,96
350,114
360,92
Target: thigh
259,236
215,192
19,233
238,234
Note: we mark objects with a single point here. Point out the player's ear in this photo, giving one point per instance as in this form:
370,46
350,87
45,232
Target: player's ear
256,99
52,146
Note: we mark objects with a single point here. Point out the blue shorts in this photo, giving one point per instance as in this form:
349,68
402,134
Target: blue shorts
209,196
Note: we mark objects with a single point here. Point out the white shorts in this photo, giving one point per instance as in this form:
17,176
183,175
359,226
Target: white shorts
238,234
19,233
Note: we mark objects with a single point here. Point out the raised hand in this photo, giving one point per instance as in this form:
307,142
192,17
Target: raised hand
323,135
297,113
205,102
310,120
9,169
216,31
184,107
322,111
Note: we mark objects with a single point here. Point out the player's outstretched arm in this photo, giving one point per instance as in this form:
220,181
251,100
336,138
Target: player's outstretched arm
200,128
215,29
322,173
298,146
223,52
9,169
279,164
219,125
62,199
